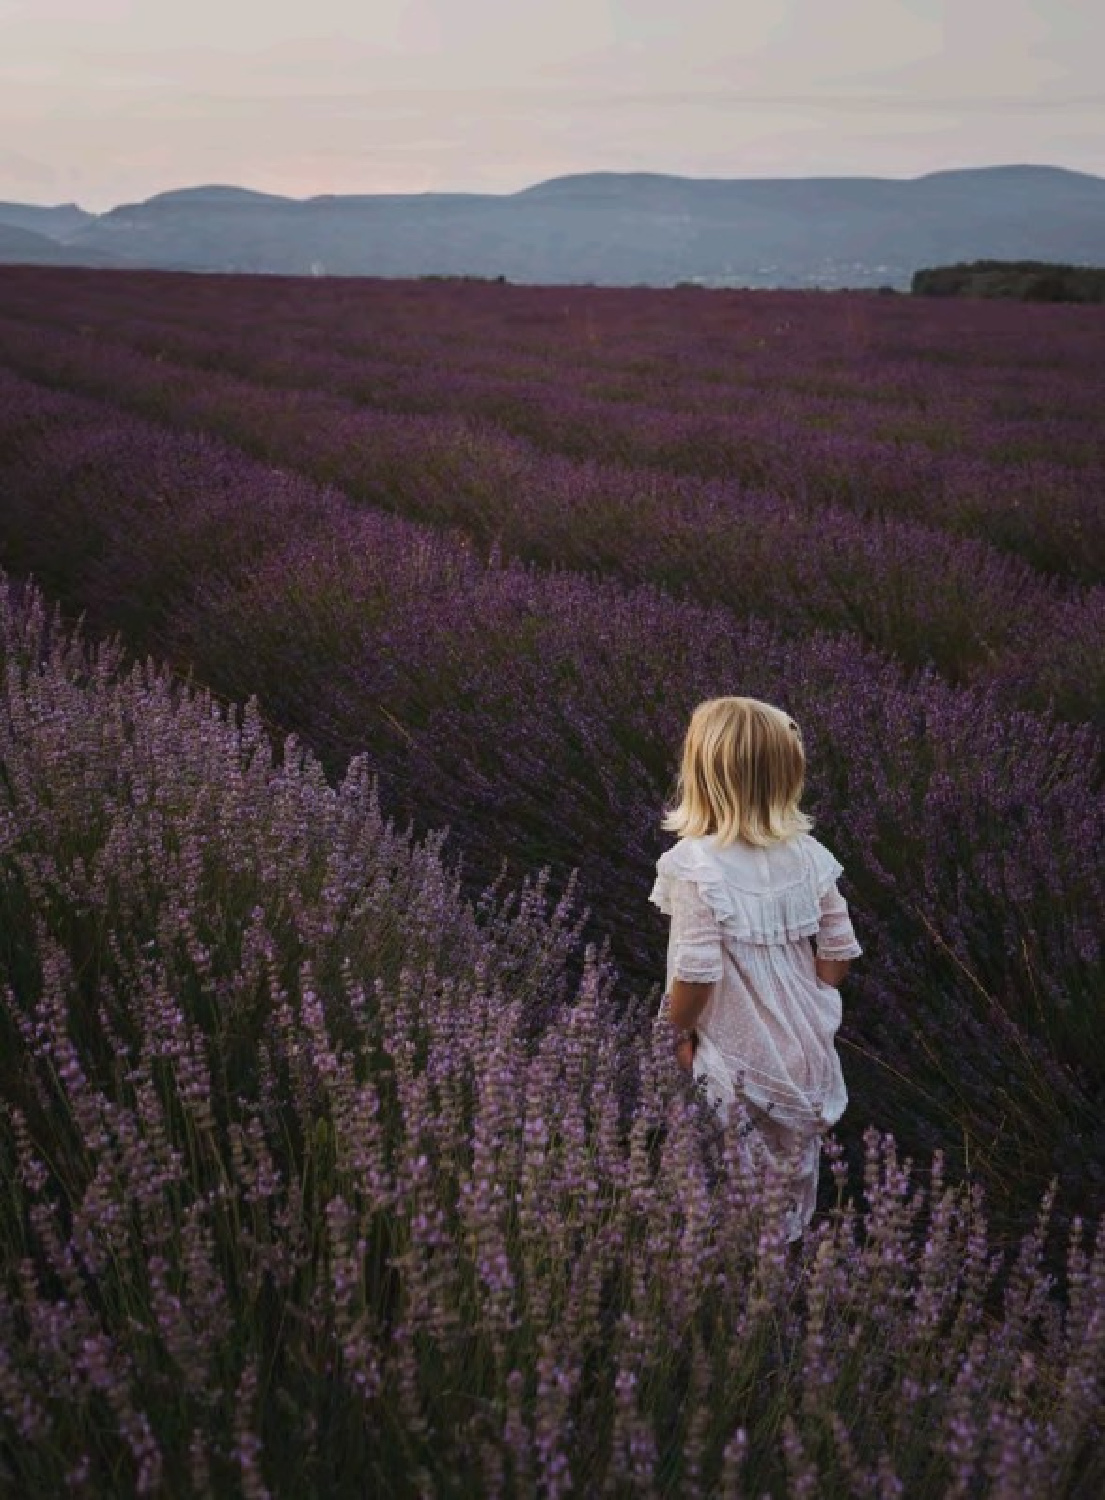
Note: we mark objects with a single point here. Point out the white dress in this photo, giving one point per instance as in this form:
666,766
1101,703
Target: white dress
744,919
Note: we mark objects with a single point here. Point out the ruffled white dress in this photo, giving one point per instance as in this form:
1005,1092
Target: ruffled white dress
745,920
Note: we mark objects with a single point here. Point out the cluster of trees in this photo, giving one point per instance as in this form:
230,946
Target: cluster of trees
1024,280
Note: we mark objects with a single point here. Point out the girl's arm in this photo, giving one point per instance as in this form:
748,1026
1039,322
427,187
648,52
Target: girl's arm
688,1001
696,953
836,939
696,966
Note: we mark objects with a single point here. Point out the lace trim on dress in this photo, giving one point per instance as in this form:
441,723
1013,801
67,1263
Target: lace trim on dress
777,916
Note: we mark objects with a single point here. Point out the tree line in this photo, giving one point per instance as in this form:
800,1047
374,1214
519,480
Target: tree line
1023,280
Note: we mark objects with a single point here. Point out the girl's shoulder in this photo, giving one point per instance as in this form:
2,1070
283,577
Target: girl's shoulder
686,853
694,860
823,863
687,859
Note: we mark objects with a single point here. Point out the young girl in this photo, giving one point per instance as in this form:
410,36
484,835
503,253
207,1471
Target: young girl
747,888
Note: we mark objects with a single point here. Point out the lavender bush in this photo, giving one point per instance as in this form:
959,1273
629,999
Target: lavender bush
323,1180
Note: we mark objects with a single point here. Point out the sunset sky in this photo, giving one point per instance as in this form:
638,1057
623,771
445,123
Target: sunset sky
107,101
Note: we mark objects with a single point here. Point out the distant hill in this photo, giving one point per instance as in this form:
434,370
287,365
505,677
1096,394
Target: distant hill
213,197
25,247
56,223
618,228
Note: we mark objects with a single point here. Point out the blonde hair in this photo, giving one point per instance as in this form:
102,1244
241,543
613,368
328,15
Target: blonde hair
741,776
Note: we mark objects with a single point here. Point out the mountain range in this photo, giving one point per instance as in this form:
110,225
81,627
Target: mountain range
603,227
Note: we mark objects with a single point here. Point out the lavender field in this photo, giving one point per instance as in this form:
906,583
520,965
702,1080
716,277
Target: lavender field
342,1155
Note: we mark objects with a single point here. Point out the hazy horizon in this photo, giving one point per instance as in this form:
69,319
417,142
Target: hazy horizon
103,103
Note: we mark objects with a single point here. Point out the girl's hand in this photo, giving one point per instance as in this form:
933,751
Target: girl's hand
684,1053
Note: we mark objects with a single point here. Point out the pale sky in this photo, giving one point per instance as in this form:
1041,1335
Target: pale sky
108,101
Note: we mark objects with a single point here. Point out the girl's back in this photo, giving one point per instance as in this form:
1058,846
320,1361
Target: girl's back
750,892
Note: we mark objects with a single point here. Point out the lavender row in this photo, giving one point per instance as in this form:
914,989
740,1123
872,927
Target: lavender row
321,1180
928,444
1029,360
1004,408
910,590
539,715
747,405
1035,504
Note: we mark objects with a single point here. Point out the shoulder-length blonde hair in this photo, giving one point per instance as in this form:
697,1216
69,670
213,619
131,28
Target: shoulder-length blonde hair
742,774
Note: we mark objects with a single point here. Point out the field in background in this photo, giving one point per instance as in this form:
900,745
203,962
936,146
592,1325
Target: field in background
501,540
